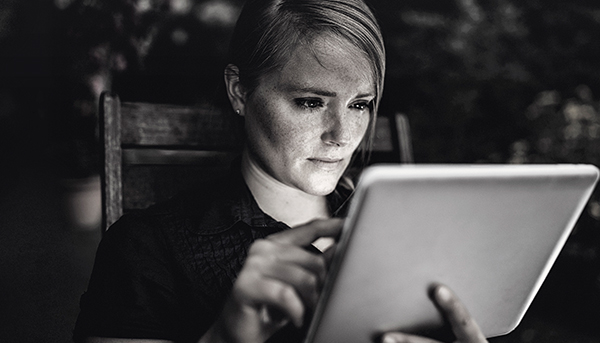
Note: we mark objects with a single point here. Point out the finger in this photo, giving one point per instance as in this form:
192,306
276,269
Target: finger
306,234
328,255
306,284
258,291
272,318
398,337
463,325
323,243
272,252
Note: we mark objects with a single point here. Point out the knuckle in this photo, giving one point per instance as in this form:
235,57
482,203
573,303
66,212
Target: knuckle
308,285
238,292
265,250
312,281
321,266
260,264
260,245
243,284
250,274
470,327
313,289
278,237
285,294
252,262
467,323
319,262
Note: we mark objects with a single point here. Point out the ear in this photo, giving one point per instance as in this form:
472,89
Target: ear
235,90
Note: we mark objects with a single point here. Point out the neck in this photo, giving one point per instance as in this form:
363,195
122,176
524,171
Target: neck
282,202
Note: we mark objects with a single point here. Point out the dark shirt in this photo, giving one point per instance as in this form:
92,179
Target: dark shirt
165,272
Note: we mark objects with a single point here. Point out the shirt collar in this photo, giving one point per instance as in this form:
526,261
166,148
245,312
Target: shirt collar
233,203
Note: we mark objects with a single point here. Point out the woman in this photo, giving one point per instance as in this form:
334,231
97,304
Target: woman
223,265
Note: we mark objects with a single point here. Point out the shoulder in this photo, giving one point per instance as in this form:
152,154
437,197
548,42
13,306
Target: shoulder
138,280
181,211
145,279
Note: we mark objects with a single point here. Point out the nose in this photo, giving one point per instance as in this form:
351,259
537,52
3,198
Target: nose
337,128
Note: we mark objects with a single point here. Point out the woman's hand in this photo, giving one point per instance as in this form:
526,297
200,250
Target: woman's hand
463,325
278,283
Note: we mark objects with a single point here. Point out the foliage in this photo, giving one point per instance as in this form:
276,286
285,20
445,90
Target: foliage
64,53
566,131
152,50
562,131
465,71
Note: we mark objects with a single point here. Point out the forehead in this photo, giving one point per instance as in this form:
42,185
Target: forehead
328,62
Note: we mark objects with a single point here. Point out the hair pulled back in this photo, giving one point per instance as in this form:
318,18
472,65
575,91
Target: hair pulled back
268,31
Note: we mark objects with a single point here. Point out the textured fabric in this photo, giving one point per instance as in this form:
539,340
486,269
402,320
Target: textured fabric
165,272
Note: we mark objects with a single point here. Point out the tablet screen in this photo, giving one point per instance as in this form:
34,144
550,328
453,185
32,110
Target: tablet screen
489,232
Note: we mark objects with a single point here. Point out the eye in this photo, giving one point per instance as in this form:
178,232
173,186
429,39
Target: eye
309,103
363,105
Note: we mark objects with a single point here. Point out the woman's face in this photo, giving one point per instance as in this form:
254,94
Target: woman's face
304,122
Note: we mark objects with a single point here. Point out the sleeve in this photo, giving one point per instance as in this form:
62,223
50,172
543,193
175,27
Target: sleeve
132,289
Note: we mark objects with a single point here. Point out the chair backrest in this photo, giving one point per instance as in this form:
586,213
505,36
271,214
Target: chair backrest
153,151
393,142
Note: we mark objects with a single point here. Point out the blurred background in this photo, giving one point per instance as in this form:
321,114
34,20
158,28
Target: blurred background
481,81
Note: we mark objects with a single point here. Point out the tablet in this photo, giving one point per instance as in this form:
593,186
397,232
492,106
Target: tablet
489,232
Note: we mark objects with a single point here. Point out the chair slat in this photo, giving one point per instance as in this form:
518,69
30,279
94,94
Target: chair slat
169,125
153,151
404,138
176,157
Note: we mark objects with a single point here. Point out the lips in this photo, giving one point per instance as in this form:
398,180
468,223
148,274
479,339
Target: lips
326,163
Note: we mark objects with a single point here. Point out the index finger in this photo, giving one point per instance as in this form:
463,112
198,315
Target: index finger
306,234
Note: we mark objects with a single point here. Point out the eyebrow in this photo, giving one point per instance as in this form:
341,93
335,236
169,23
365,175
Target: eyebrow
321,92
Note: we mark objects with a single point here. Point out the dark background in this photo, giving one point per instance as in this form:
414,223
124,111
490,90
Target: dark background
494,81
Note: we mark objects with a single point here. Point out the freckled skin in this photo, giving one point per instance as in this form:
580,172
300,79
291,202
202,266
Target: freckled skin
286,137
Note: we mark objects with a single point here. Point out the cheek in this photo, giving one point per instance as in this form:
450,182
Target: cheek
364,125
271,129
360,129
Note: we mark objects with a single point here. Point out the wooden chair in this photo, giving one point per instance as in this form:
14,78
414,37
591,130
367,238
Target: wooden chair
152,151
393,142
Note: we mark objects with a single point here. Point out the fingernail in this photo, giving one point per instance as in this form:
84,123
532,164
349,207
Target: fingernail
443,293
388,339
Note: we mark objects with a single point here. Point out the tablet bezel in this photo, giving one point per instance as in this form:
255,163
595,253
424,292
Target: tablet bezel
585,175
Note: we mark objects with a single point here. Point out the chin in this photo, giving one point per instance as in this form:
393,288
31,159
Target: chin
321,186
